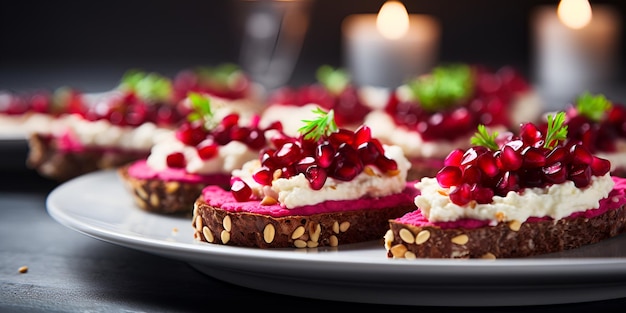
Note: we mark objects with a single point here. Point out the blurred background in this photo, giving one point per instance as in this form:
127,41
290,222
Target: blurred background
90,44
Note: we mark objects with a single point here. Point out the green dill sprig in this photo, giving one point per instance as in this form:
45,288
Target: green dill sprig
335,80
446,86
148,86
483,138
201,110
323,125
557,131
593,107
220,77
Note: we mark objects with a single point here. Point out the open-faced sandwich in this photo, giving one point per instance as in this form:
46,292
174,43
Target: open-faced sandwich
118,127
325,187
600,125
433,114
202,151
512,196
333,90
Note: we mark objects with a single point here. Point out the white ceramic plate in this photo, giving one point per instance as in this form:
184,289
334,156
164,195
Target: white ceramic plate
97,205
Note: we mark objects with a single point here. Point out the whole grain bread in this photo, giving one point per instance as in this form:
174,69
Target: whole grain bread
159,196
504,240
216,225
45,157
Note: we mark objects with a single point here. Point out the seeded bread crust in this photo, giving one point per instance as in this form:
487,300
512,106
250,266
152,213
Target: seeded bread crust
45,158
159,196
218,226
505,240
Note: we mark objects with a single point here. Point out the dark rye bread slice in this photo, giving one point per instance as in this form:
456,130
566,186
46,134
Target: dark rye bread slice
508,240
166,196
221,220
46,158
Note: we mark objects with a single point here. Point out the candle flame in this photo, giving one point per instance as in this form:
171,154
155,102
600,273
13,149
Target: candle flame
574,14
393,20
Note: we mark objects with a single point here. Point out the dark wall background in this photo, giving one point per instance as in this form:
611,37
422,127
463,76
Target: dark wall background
89,44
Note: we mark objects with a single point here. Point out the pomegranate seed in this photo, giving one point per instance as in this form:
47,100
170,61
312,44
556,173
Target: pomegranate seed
508,182
267,159
191,135
533,157
263,176
454,157
346,172
324,154
555,173
449,176
487,163
482,195
368,152
239,133
558,154
531,135
509,159
288,171
176,160
361,135
600,166
304,164
471,154
255,139
316,176
207,149
580,155
472,174
461,195
580,174
240,190
341,136
230,120
288,154
385,164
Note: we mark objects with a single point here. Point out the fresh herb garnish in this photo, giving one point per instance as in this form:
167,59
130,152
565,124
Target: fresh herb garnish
201,110
323,125
483,138
444,87
593,107
556,130
148,86
221,77
335,80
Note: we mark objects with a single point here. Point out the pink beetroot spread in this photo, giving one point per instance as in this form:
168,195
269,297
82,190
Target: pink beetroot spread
69,143
141,170
616,199
218,197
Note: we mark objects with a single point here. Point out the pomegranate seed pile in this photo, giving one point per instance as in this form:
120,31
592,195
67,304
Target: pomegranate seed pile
598,135
521,161
60,101
128,109
333,91
341,155
226,81
207,141
487,103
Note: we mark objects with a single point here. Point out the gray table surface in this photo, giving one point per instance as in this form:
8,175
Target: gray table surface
71,272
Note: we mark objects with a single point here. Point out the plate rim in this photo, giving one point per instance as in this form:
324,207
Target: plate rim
288,262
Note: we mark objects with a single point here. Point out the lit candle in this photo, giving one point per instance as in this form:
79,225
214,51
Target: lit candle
575,50
388,48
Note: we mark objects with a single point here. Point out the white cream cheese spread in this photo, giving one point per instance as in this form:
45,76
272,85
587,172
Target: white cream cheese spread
295,191
556,201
